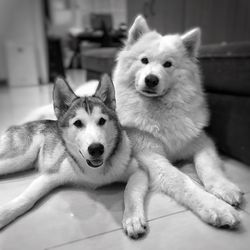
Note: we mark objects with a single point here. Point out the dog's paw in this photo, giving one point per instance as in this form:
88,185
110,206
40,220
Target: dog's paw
227,191
134,226
219,214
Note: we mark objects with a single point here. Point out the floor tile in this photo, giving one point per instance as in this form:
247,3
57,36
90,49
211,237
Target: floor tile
69,214
177,232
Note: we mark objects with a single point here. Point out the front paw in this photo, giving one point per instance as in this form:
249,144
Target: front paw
226,190
220,214
135,226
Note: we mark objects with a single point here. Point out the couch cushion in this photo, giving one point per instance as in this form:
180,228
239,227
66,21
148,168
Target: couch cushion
230,124
226,68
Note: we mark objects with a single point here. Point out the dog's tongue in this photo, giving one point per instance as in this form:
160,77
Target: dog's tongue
94,163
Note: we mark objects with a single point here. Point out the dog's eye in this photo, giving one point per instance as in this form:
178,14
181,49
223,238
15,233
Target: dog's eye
101,122
144,60
78,124
167,64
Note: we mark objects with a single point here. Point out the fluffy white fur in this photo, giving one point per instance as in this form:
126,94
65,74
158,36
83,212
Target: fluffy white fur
167,125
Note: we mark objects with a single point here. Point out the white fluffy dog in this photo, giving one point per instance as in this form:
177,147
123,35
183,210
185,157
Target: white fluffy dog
160,100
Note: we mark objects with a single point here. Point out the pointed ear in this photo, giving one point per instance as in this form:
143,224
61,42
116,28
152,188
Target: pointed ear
63,96
191,41
106,92
139,28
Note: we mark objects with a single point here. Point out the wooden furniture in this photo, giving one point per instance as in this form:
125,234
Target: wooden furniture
98,61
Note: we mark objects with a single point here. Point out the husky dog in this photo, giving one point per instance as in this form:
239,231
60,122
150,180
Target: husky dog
161,103
86,146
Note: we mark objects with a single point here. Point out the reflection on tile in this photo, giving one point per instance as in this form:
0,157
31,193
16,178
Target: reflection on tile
161,205
180,231
65,215
70,214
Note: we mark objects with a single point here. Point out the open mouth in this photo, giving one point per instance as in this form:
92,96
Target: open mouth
94,163
149,92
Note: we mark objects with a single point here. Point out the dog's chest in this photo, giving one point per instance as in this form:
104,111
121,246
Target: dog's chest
115,170
175,127
94,178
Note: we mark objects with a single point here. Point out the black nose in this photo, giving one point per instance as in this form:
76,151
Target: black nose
96,149
151,81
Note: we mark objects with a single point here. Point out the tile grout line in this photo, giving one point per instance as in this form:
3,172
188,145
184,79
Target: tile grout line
167,215
82,239
118,229
111,231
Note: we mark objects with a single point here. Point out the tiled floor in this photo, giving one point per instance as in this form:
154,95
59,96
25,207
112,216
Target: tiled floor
82,219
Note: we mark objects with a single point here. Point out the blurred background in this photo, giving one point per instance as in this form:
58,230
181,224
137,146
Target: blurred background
79,39
40,39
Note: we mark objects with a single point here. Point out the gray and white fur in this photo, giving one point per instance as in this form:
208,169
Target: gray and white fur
86,146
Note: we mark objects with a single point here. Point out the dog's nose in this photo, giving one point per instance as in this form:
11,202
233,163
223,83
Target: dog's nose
151,81
96,149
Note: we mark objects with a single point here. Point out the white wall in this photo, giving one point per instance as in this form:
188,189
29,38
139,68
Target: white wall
22,20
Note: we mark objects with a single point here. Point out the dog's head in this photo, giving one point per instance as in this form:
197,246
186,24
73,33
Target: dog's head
155,62
89,125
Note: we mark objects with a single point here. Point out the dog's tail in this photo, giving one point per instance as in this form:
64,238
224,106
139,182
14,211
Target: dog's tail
43,113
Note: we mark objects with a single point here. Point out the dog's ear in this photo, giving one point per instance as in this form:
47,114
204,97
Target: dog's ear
106,92
139,28
191,40
63,96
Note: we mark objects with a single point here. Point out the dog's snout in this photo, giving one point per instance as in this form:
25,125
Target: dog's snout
151,81
96,149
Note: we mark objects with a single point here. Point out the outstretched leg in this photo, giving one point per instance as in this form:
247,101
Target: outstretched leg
134,222
208,167
170,180
21,204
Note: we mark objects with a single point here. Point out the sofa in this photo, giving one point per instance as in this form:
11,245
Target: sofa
226,76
